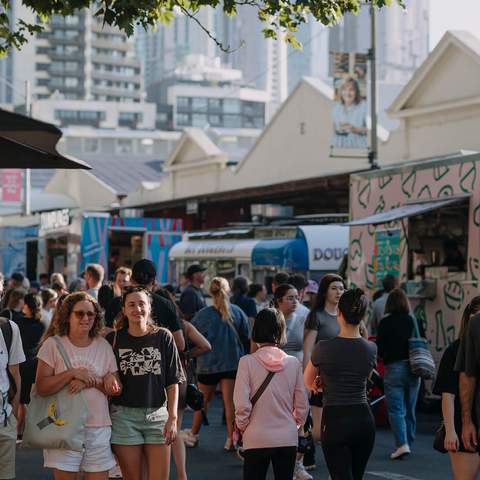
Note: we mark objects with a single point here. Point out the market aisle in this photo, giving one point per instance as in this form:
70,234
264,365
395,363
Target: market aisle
208,461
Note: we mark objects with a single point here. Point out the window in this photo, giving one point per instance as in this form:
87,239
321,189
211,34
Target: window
41,66
232,121
183,104
71,66
146,146
199,104
183,119
254,108
129,119
91,145
215,120
231,105
43,82
43,50
215,104
71,81
199,120
124,145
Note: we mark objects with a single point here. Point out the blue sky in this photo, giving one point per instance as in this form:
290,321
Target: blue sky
453,15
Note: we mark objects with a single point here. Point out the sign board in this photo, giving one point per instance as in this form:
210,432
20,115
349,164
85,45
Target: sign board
327,245
192,207
386,255
213,249
51,221
11,185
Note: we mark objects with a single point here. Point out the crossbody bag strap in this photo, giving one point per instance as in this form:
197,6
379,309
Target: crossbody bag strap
63,353
416,331
262,388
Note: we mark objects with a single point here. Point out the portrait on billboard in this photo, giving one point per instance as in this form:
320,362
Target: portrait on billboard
349,113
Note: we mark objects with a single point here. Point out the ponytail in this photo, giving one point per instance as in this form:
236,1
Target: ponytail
219,290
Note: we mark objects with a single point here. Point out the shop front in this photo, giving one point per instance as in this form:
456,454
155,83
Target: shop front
420,222
59,243
18,250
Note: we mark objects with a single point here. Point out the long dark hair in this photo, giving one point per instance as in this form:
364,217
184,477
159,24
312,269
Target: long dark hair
397,302
323,287
34,303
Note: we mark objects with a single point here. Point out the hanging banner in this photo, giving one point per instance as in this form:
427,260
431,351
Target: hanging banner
11,179
349,112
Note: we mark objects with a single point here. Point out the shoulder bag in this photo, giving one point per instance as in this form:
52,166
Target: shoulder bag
56,421
421,361
237,433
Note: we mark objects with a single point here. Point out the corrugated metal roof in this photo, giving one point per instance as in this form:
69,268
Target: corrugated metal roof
123,173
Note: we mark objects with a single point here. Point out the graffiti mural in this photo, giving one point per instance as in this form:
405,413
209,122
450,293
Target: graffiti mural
374,192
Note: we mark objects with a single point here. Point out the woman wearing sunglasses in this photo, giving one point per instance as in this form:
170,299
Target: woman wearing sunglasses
78,323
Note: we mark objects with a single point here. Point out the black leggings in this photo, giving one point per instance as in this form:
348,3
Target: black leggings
348,435
257,461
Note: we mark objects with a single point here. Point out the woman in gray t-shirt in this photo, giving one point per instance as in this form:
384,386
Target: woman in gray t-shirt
285,299
322,324
341,366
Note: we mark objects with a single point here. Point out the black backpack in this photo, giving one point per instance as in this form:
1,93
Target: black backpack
7,332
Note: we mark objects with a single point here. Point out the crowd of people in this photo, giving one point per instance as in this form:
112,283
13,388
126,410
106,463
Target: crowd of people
292,361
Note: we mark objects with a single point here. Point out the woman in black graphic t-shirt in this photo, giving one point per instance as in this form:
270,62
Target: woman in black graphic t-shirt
144,414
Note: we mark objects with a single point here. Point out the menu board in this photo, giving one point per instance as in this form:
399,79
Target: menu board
386,257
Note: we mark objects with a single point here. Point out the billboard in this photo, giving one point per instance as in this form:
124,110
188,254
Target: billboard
349,112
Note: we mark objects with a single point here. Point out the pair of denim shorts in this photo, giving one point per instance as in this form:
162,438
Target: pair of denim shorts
137,426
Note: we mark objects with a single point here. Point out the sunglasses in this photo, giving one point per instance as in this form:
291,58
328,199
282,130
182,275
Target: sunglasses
81,313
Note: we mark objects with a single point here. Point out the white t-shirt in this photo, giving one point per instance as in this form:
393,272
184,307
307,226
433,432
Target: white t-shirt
16,356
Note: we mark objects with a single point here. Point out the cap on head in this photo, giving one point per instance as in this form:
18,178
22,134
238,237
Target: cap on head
312,287
193,269
144,272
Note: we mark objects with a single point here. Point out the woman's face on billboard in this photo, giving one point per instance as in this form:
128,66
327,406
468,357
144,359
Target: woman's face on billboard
348,94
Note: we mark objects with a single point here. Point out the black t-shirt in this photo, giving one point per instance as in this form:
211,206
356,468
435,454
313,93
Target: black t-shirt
146,365
344,364
31,332
191,301
164,313
393,334
447,378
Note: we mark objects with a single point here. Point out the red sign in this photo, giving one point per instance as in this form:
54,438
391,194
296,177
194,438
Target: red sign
11,185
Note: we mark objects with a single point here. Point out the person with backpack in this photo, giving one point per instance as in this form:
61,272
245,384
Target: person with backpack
11,356
270,401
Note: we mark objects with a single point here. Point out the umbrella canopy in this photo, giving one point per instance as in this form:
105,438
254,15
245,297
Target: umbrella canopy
29,143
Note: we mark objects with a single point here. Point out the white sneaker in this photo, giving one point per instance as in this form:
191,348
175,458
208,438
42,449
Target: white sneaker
400,452
190,439
300,473
228,447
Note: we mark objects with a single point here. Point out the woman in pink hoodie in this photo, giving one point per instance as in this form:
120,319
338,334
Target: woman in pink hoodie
270,428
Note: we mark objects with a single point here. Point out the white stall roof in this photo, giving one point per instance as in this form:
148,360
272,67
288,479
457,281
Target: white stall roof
327,244
240,249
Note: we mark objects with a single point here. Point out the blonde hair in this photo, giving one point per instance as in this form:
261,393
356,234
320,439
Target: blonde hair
58,278
219,290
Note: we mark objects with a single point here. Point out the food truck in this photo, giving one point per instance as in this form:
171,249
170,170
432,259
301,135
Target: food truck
258,251
420,222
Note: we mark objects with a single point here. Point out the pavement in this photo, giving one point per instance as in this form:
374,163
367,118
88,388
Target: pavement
208,461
